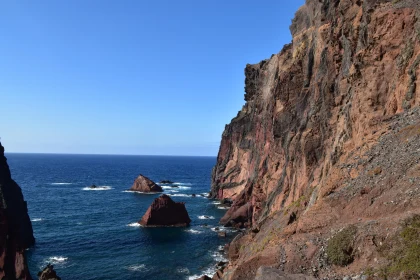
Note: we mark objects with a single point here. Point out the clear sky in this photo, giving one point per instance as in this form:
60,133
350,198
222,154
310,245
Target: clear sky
130,76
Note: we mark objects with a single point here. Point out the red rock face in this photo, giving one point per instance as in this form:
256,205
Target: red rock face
311,150
351,64
144,184
16,232
165,212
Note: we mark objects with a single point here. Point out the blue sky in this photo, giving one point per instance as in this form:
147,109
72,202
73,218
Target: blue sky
130,77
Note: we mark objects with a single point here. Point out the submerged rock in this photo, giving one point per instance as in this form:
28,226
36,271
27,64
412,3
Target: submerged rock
144,184
93,186
164,212
48,273
166,182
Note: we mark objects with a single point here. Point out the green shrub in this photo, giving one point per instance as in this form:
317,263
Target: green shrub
340,247
405,254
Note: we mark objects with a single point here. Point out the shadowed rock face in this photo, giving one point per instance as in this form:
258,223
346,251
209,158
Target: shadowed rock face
144,184
165,212
16,232
295,160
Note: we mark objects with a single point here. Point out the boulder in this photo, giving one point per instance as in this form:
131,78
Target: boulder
164,212
48,273
144,184
93,187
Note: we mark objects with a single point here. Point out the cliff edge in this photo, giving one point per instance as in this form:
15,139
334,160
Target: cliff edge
16,232
328,142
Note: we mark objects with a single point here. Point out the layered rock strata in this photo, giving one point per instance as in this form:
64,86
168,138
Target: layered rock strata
327,139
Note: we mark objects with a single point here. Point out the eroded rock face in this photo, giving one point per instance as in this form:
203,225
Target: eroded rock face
16,232
351,64
144,184
312,113
164,212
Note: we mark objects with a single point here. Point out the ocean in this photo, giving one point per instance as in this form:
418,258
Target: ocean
93,234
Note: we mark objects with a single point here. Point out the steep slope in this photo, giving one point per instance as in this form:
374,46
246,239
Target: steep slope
16,232
298,157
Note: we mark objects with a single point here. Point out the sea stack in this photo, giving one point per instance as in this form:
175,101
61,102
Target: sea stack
164,212
144,184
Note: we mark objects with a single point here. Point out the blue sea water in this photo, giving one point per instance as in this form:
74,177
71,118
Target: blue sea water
93,234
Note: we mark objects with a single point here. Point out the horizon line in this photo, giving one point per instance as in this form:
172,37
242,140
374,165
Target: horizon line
86,154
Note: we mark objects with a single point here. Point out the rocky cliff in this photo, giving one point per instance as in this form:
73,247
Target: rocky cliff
16,232
327,141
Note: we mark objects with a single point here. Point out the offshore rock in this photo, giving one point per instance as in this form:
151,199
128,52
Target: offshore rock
164,212
328,138
48,273
16,232
144,184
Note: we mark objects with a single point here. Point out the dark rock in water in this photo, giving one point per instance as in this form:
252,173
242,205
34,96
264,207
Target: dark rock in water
48,273
221,264
164,212
166,182
193,195
144,184
93,187
16,232
222,233
204,277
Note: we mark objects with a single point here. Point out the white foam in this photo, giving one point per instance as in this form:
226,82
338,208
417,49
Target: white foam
183,188
179,194
178,184
183,270
58,184
56,260
172,191
209,272
203,217
137,267
194,231
218,256
128,191
216,202
99,188
134,225
223,207
36,220
167,187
